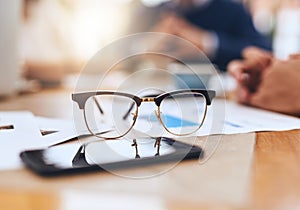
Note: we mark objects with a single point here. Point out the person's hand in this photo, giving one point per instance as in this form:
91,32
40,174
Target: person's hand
294,56
248,72
257,54
279,88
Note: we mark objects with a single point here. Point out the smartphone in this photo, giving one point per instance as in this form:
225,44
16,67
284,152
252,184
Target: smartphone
97,155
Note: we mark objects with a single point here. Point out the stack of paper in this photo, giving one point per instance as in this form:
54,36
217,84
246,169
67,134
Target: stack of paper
23,131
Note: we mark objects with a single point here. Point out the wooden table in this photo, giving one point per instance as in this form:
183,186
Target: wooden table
275,183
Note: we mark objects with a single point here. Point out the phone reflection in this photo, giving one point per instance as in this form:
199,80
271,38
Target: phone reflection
100,152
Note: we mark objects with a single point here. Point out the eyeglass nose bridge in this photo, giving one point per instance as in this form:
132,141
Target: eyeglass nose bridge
149,99
157,112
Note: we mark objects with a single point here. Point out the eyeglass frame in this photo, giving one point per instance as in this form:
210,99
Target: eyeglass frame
82,97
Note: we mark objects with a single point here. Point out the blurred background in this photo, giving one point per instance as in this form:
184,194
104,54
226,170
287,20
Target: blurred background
57,37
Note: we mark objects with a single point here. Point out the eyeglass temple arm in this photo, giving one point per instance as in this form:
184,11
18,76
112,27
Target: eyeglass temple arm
157,144
132,105
98,105
135,145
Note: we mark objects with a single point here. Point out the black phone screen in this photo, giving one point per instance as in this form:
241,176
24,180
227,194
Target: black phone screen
107,155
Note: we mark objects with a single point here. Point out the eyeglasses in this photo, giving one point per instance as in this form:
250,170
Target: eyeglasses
111,115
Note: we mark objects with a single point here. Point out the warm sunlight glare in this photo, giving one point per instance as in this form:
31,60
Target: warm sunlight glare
97,23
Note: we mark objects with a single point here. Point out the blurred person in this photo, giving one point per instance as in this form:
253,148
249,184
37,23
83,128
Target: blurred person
220,28
46,49
267,82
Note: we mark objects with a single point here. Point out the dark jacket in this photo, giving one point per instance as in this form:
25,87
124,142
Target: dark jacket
232,24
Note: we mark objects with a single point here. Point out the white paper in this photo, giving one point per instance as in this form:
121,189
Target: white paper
24,135
245,119
64,130
228,117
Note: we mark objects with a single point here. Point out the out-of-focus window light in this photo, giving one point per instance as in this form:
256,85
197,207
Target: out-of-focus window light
96,23
287,33
56,30
152,3
263,14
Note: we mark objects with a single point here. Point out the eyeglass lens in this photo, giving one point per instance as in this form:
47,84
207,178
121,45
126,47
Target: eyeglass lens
180,114
183,113
110,112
